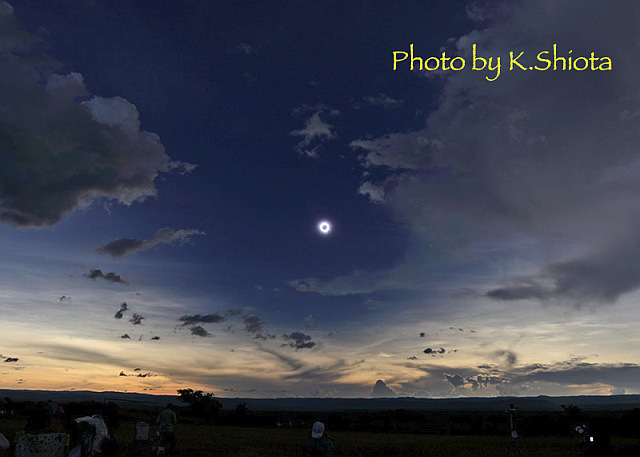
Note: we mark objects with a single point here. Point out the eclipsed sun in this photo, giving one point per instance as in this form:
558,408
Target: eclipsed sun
324,227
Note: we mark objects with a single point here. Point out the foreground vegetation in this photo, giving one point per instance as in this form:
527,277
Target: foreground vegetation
221,441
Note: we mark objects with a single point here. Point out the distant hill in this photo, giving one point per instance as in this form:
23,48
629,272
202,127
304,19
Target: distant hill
148,401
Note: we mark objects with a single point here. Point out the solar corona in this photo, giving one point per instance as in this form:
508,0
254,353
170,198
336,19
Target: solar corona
324,227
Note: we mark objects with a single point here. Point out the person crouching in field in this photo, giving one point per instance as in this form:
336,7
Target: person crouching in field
167,423
320,444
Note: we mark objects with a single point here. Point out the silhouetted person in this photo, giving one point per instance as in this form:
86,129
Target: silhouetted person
320,444
167,423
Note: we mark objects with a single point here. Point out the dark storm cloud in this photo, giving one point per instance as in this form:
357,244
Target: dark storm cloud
601,277
125,246
62,149
201,319
552,181
200,331
111,277
119,313
381,390
136,319
298,340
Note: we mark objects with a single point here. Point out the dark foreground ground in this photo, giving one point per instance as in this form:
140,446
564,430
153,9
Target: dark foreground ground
213,440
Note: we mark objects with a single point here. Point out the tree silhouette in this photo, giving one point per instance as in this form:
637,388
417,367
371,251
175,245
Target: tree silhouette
203,405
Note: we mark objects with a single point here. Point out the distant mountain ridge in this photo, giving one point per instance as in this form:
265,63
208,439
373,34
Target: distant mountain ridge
541,403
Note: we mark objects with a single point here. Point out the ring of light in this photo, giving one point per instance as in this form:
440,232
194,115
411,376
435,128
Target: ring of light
324,227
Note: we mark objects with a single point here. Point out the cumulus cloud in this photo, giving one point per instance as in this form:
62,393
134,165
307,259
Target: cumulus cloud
111,277
125,246
63,148
381,390
119,313
298,340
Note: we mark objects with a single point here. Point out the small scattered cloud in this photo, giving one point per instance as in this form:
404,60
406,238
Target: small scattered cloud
201,319
316,132
237,311
375,193
136,319
298,340
111,277
243,48
254,324
125,246
119,313
383,101
309,322
138,375
434,352
197,330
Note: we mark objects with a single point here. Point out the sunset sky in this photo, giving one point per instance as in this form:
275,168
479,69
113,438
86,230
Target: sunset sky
165,166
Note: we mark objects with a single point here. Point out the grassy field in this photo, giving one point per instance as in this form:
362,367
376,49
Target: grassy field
212,441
